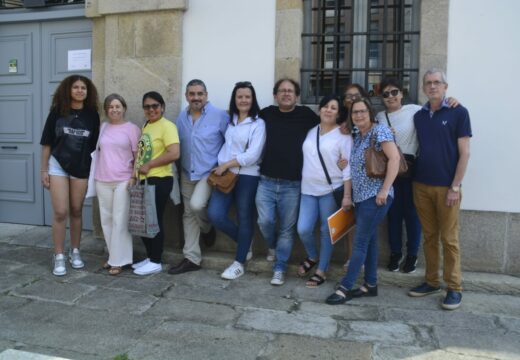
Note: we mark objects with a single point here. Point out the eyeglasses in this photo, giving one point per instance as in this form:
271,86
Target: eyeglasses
352,96
359,112
434,83
151,106
393,92
285,91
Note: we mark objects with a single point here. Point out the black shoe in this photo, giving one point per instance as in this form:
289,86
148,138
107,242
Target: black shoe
336,299
410,264
395,260
370,291
209,237
184,266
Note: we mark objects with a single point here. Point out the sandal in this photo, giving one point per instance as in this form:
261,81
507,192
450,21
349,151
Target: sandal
315,281
106,266
115,270
306,266
340,296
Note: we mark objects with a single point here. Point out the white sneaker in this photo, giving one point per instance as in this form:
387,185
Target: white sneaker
148,268
59,265
140,263
278,278
234,271
75,259
271,253
249,254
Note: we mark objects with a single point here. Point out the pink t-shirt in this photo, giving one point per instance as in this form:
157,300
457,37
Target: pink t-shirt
117,145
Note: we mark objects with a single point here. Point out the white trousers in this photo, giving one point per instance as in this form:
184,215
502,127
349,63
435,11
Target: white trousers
114,202
195,196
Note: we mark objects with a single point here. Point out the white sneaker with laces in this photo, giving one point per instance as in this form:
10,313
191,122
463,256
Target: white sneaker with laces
148,268
140,263
278,278
59,265
75,259
271,253
234,271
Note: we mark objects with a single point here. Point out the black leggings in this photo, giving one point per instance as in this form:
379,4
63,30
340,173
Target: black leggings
163,187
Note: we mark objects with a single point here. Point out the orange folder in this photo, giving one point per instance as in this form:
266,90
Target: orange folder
340,224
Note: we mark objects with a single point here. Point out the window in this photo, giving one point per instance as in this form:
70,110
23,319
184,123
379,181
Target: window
359,41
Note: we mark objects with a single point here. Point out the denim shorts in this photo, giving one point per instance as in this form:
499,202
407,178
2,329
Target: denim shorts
55,168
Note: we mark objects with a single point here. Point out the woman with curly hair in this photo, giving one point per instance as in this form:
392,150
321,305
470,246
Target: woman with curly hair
69,136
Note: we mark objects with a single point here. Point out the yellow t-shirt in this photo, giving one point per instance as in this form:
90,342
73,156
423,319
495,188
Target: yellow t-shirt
155,138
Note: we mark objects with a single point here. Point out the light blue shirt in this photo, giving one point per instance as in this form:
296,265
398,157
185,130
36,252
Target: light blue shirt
201,141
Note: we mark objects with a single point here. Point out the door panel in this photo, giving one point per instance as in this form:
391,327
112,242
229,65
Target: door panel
21,195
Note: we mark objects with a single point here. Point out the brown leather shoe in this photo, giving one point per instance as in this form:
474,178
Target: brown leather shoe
209,237
184,266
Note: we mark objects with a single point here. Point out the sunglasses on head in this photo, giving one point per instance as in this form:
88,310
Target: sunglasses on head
393,92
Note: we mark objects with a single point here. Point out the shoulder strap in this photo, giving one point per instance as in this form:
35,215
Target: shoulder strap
388,119
321,158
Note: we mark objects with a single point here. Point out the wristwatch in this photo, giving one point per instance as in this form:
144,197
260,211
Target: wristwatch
455,189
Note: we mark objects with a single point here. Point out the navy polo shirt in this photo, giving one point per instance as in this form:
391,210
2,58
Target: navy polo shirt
438,133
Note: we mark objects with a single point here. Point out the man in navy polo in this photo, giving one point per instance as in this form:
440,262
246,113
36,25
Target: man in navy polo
444,137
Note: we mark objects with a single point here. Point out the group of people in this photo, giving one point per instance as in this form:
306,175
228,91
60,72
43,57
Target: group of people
293,166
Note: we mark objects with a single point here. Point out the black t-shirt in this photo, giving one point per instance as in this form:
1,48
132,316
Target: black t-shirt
72,138
285,133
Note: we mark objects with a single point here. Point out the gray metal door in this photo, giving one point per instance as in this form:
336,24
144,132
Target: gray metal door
34,58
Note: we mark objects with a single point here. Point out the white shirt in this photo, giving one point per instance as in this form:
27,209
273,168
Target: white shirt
333,145
245,143
402,122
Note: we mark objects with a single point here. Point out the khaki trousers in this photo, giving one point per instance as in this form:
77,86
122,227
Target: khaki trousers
195,196
440,225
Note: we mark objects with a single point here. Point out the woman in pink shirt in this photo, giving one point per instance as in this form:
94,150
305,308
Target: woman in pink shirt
117,148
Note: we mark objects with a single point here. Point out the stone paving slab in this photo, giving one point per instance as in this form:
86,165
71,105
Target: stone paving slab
287,323
38,236
390,333
152,285
415,353
348,312
9,303
12,354
510,323
73,328
54,291
12,281
117,300
491,343
194,311
8,231
9,266
189,341
290,347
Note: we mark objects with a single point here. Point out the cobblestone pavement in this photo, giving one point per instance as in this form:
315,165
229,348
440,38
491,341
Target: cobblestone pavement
89,314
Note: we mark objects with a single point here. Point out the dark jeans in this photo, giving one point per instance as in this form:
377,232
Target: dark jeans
163,187
364,248
243,195
403,208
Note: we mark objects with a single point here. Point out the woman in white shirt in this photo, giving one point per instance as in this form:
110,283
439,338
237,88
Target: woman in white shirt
240,154
317,200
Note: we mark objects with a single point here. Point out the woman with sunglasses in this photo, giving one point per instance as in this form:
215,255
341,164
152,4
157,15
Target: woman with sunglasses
240,154
157,149
399,118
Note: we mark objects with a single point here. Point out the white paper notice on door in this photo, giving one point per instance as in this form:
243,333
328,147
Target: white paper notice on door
79,60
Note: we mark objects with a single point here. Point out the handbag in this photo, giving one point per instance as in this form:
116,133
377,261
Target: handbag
337,192
410,159
224,183
376,161
91,184
142,217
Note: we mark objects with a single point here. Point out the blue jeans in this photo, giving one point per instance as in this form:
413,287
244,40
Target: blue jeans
278,199
243,194
364,248
312,208
403,208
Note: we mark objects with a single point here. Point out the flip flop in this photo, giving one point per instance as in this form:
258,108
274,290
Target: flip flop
115,270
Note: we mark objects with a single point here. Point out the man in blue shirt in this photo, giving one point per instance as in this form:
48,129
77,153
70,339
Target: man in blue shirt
444,138
201,133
